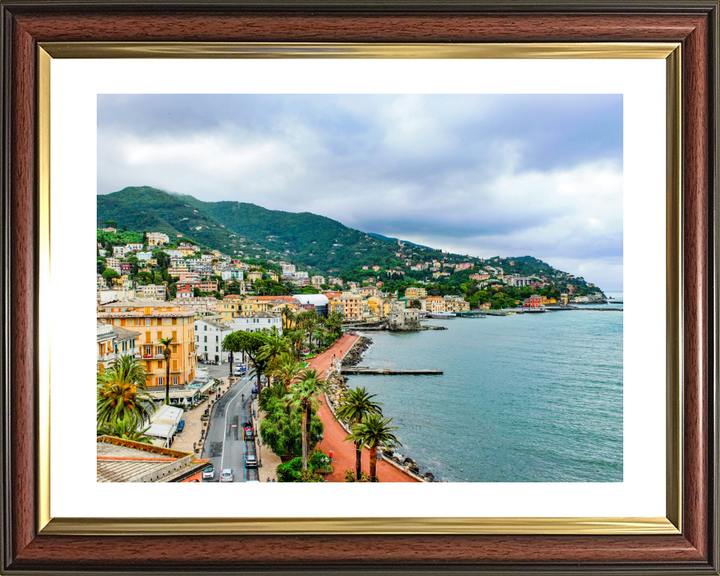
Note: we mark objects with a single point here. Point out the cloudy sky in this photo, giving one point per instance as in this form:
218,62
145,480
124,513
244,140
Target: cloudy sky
485,175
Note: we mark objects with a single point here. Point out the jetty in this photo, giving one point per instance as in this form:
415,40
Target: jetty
354,370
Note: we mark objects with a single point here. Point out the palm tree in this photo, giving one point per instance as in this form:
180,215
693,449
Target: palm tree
334,323
296,339
268,394
127,428
308,321
303,393
285,368
166,353
373,432
122,390
275,345
288,316
321,335
355,406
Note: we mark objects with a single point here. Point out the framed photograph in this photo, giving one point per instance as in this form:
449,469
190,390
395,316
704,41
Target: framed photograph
497,220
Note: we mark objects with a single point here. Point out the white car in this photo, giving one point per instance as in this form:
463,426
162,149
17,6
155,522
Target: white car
208,473
226,475
250,461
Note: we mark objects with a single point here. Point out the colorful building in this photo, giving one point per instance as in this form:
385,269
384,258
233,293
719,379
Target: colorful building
535,301
156,320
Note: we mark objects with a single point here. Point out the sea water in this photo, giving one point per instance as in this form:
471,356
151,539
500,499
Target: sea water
523,398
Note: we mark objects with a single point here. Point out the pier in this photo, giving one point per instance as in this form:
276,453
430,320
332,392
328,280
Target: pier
355,370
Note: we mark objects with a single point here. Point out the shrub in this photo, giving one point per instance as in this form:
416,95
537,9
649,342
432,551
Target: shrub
350,476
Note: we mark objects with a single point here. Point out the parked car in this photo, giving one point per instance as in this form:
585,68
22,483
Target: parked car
181,426
248,432
255,390
250,461
208,473
226,475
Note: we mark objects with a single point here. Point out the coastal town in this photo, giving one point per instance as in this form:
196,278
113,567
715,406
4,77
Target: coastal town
228,367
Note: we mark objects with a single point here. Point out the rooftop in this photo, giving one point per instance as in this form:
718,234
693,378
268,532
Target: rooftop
126,461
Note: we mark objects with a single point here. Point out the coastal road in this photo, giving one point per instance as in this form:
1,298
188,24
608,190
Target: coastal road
224,445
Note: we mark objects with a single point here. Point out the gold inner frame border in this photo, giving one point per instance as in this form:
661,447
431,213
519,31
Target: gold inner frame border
671,524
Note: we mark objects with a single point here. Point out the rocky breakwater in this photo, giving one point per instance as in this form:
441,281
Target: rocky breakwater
337,386
410,465
355,354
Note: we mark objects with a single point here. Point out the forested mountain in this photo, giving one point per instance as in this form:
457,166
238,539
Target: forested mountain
316,243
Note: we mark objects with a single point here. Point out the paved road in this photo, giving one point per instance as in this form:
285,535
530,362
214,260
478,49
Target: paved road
224,445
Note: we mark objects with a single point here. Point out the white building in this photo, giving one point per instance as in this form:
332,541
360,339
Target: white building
209,335
144,256
156,291
236,275
288,269
302,275
157,239
257,322
518,281
317,281
120,251
133,247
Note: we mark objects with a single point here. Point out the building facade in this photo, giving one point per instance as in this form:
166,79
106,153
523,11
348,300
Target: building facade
156,320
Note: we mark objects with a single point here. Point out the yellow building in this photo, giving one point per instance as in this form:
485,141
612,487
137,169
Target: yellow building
155,320
349,305
433,304
416,293
378,307
234,306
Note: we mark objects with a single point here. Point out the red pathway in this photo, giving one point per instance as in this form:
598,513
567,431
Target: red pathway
334,434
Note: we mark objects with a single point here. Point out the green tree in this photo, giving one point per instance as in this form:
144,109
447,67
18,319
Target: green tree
250,344
109,274
307,321
304,394
122,391
374,432
127,428
285,368
355,406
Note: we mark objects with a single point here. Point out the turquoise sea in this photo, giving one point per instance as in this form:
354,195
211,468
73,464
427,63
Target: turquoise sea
523,398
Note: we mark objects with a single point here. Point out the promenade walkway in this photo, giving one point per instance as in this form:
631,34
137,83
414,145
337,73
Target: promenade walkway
334,434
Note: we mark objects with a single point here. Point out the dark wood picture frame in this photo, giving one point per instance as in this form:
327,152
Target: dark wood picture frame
25,24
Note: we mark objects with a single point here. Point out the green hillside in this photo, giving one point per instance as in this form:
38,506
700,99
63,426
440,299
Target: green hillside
147,209
316,243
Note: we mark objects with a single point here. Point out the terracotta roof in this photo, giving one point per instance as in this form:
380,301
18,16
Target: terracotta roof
123,334
121,460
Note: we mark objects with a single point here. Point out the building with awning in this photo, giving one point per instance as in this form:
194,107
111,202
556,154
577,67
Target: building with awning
163,425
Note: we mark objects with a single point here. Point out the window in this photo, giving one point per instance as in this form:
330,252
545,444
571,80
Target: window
205,339
160,381
205,327
217,338
175,380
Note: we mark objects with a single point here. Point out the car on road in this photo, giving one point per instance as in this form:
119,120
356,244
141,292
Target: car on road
208,473
226,475
181,426
255,390
250,461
